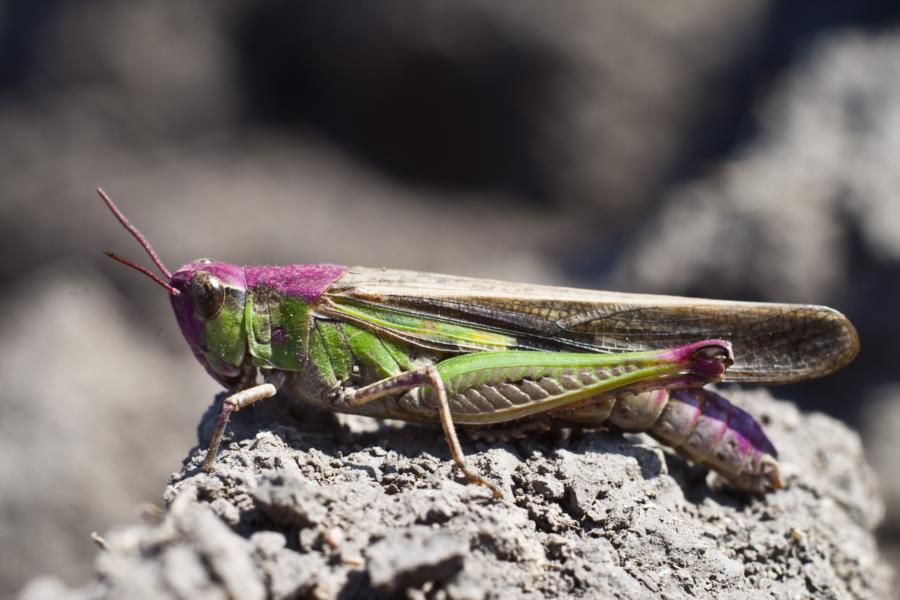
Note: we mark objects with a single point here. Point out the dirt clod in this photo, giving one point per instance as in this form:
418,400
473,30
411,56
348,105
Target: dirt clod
290,512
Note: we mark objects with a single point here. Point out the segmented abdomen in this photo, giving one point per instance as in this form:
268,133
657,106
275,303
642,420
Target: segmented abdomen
699,424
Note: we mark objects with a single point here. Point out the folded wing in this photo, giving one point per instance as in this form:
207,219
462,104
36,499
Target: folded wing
773,343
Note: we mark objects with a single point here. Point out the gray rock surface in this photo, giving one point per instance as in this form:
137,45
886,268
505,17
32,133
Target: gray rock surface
325,507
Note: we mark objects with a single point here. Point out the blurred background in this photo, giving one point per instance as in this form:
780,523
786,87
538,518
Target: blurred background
741,150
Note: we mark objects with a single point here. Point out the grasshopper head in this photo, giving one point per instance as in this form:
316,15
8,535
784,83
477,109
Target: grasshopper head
210,307
209,302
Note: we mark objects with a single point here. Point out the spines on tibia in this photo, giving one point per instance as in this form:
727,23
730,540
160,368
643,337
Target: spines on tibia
705,428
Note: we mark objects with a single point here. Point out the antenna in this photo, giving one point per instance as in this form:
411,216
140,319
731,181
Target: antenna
137,234
144,244
144,270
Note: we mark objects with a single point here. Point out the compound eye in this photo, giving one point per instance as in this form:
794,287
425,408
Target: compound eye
208,294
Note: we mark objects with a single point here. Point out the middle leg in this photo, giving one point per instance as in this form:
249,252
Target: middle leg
426,376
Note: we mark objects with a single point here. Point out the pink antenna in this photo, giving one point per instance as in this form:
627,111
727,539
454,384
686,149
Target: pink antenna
138,236
144,270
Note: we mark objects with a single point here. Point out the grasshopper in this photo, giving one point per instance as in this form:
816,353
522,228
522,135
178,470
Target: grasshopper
473,352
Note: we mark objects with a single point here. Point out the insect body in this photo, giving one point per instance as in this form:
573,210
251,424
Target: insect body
425,347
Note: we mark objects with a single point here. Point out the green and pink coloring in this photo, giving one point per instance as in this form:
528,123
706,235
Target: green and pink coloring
478,353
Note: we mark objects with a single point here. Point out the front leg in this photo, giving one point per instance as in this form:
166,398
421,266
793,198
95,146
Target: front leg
427,376
234,403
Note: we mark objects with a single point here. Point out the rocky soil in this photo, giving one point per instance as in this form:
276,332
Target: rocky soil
324,507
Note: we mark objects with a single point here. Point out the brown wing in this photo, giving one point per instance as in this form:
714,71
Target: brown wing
773,343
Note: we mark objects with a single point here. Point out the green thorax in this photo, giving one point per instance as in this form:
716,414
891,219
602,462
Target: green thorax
283,333
277,327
